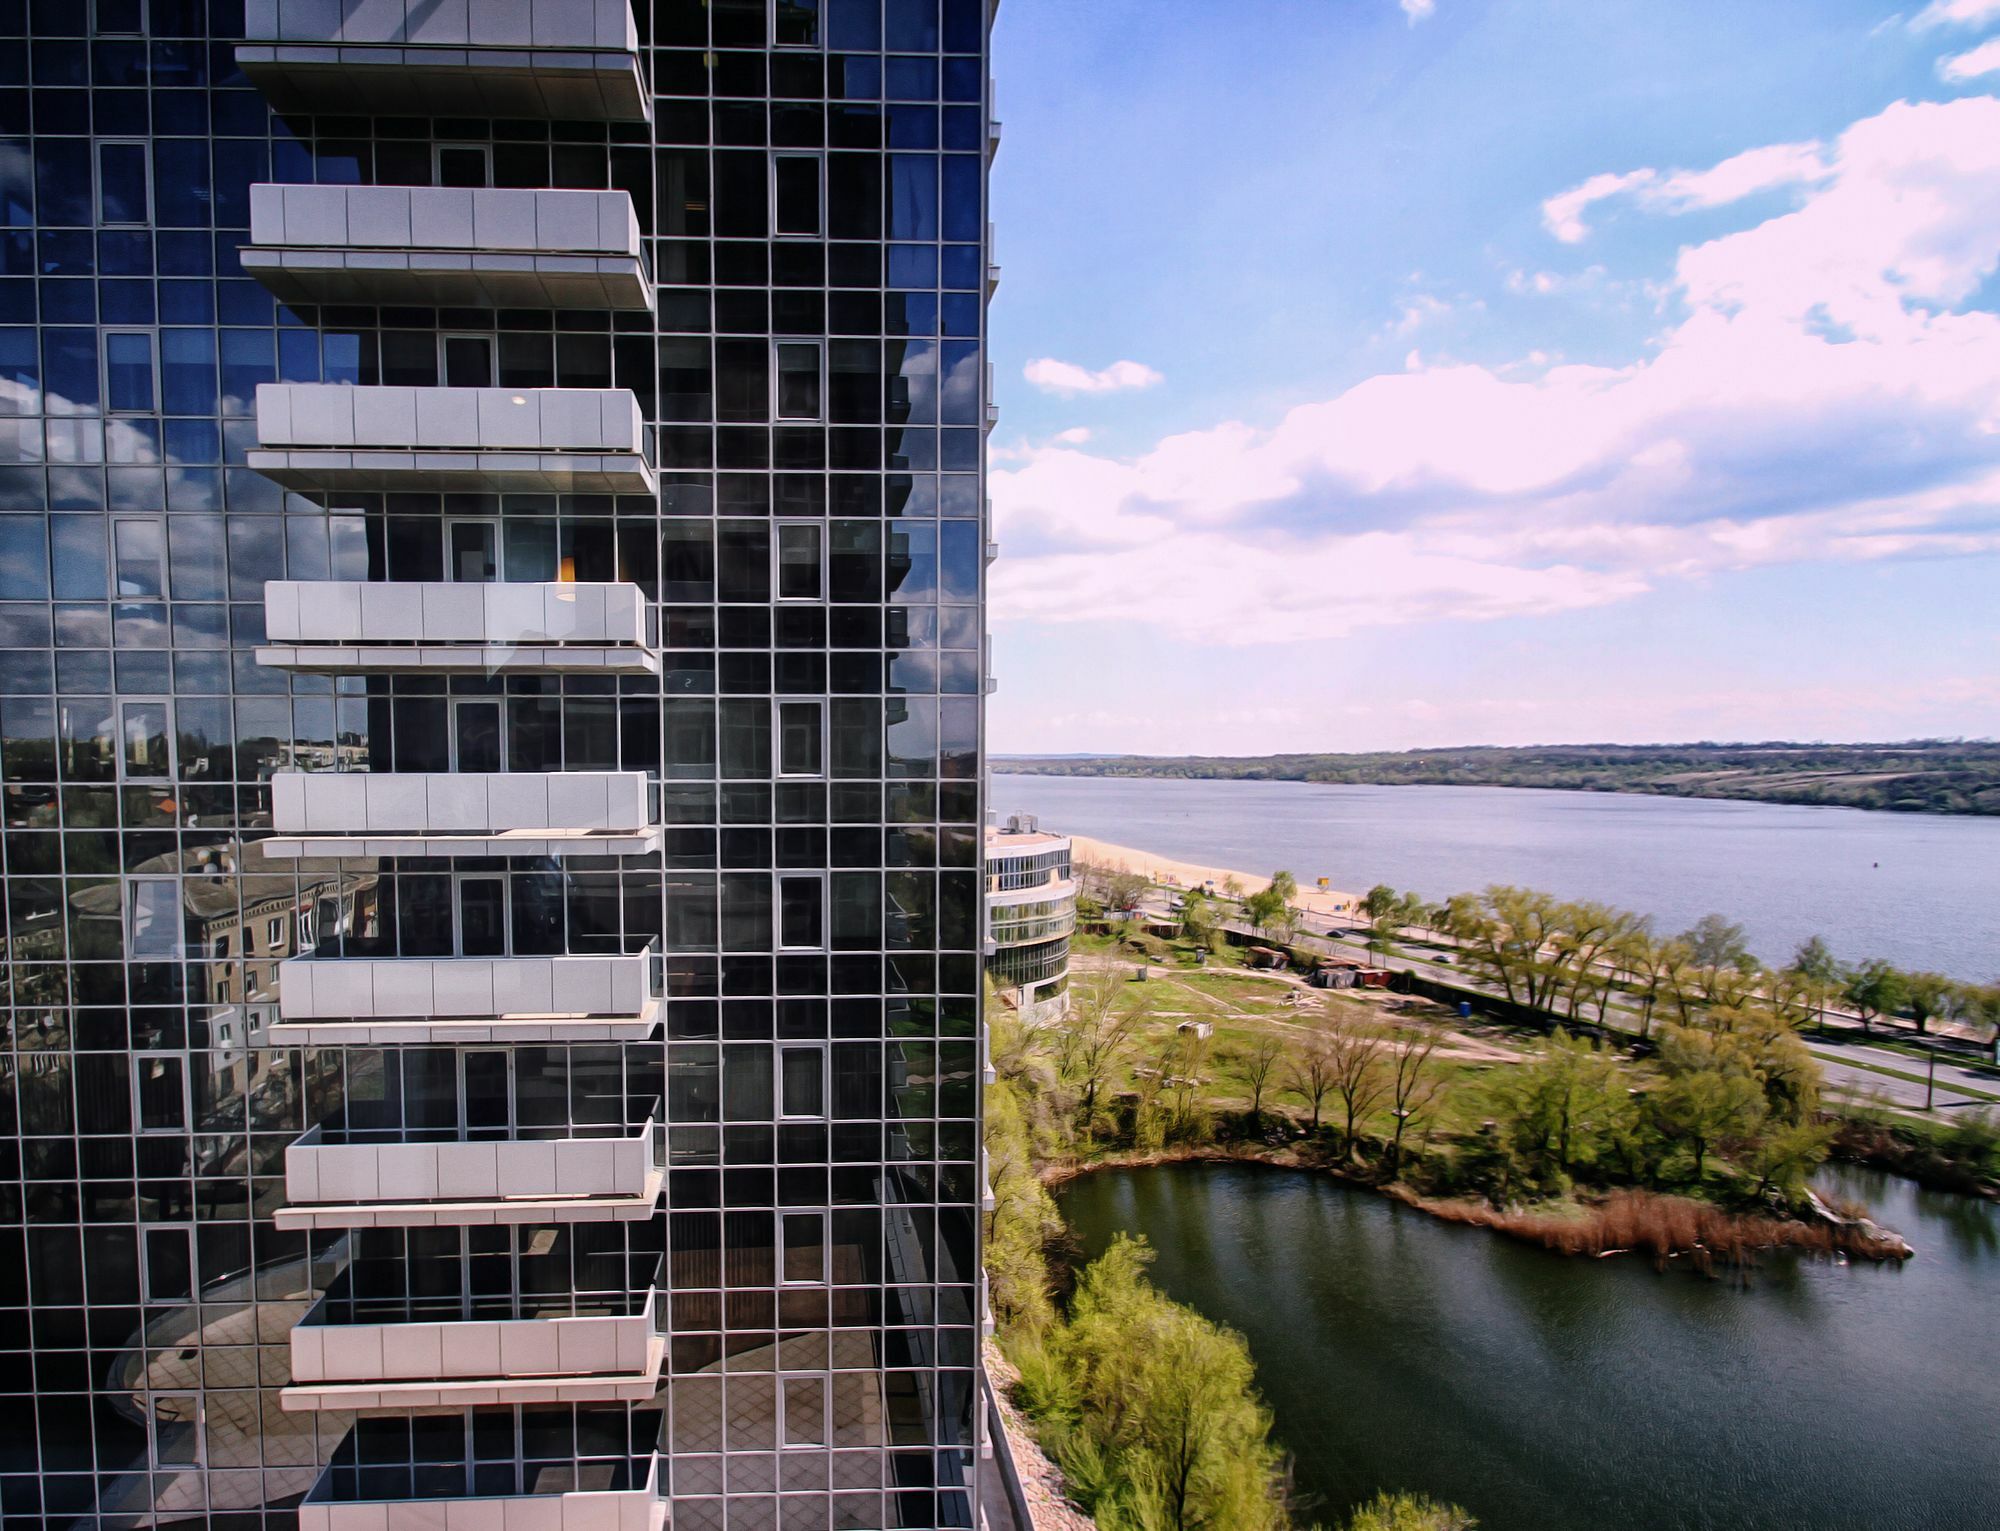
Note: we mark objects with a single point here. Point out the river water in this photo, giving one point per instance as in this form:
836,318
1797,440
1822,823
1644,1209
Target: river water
1922,890
1547,1394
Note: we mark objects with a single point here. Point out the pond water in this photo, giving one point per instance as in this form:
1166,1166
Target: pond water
1548,1394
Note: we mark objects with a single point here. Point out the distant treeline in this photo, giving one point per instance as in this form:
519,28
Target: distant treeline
1918,776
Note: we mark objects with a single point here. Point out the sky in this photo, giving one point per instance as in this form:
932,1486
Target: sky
1379,374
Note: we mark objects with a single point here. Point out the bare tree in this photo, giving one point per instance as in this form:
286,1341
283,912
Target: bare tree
1309,1075
1359,1078
1258,1066
1098,1037
1414,1086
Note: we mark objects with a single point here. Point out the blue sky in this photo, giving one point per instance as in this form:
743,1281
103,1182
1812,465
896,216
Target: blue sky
1385,373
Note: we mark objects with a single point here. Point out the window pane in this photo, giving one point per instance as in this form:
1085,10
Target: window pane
805,1246
804,1081
121,183
798,563
138,546
798,382
177,1429
169,1273
798,23
800,918
128,368
152,918
162,1101
145,731
798,194
805,1411
799,738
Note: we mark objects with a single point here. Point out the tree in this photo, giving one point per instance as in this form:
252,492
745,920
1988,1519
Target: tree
1784,1157
1258,1065
1716,943
1380,900
1198,921
1309,1075
1165,1407
1098,1036
1263,907
1708,1096
1409,1512
1285,886
1414,1085
1874,988
1358,1075
1926,996
1556,1107
1819,975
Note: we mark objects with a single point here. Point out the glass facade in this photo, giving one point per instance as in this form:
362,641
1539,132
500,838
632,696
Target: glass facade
349,1161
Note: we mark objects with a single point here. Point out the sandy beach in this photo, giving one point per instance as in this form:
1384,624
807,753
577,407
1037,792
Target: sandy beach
1187,874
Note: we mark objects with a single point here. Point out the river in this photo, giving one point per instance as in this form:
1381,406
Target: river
1547,1394
1922,890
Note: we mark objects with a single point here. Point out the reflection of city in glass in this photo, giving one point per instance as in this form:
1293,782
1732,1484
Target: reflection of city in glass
492,551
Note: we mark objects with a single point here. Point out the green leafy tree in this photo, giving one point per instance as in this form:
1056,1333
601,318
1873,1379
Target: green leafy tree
1874,988
1408,1512
1926,996
1166,1409
1380,900
1717,943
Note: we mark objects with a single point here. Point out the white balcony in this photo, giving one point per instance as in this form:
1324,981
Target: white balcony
461,813
613,1175
333,437
611,1357
382,1001
563,1498
447,246
350,627
569,60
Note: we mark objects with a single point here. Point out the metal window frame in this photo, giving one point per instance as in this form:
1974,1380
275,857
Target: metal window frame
817,45
819,530
152,338
778,881
778,706
825,1217
440,146
146,1233
97,148
820,1050
818,157
778,343
824,1382
139,1127
158,523
200,1421
120,703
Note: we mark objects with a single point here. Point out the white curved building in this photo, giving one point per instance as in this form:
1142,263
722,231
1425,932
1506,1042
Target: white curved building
1030,916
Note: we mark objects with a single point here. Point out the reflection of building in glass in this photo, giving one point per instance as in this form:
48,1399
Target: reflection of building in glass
1030,916
492,557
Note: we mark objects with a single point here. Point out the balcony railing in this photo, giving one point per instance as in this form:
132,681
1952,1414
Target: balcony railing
345,627
478,247
594,1494
400,1179
336,436
377,1001
462,813
569,60
353,1354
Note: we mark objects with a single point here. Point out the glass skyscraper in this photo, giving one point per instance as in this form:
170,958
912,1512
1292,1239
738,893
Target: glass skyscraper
492,648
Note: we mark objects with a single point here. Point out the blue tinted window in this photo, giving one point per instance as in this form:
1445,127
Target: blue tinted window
964,25
912,266
961,79
910,79
962,185
961,266
128,373
853,24
180,170
911,25
121,183
913,208
69,371
62,180
24,559
187,371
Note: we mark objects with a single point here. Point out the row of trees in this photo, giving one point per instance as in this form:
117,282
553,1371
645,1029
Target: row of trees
1578,959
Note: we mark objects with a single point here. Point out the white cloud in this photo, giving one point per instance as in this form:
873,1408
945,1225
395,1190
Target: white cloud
1683,191
1075,436
1956,13
1982,60
1053,376
1822,396
1418,10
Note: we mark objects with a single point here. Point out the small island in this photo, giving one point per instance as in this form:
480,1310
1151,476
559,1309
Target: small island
1916,776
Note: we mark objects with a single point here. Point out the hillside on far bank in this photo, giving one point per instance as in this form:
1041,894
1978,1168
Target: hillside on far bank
1918,776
